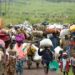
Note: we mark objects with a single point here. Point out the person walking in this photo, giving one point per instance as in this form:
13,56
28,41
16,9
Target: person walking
47,57
64,64
73,64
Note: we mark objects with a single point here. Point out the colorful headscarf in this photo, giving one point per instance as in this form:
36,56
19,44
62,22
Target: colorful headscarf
20,37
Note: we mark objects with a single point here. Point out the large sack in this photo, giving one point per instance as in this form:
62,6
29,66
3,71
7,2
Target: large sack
64,32
58,49
27,50
36,56
64,42
72,28
40,27
46,43
32,50
49,30
37,33
13,31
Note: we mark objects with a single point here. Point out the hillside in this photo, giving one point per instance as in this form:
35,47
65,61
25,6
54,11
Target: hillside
16,11
38,0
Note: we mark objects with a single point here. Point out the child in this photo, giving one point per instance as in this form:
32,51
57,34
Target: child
64,64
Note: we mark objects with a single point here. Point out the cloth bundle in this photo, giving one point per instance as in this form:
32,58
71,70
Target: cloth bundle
46,43
4,36
37,33
20,38
58,49
36,56
72,28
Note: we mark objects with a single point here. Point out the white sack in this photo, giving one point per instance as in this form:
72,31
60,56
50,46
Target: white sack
58,49
46,42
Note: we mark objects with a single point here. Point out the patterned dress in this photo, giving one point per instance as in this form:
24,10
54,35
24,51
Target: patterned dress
11,63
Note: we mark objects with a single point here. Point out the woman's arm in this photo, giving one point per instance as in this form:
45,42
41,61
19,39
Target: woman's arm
40,52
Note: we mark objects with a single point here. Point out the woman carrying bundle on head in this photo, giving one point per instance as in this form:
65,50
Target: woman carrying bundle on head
46,53
11,60
30,55
47,57
22,53
20,57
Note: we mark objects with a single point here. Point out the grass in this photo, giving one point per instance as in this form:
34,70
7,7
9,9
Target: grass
38,11
60,73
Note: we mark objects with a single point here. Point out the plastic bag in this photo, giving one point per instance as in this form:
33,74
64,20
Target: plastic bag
37,57
53,65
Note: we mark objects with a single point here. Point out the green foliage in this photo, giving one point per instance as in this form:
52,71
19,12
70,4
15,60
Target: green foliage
61,0
16,11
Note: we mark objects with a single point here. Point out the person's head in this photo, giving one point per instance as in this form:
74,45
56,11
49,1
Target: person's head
61,52
19,43
65,55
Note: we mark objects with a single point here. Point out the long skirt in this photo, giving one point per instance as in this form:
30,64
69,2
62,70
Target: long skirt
11,67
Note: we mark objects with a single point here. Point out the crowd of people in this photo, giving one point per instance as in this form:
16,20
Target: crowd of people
21,44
